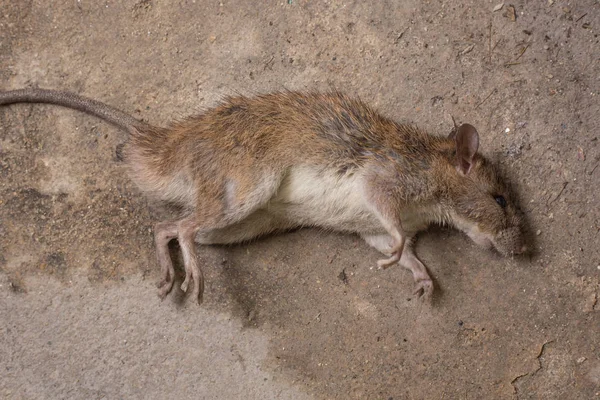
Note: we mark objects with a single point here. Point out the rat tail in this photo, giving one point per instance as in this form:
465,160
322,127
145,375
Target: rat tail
70,100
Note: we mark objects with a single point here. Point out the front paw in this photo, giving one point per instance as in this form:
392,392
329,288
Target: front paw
424,288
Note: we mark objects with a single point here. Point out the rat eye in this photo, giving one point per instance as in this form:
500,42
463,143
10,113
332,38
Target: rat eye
500,200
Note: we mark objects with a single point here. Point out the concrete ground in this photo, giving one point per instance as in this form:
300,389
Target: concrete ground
78,305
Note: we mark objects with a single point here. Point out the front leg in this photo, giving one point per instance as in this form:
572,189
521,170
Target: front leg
424,284
386,208
384,243
399,239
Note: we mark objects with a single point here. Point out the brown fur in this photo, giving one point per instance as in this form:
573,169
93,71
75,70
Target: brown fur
251,166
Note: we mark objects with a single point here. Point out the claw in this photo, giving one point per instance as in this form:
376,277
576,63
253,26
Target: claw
194,279
185,284
198,290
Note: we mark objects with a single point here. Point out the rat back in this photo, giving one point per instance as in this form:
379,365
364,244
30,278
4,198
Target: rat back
302,155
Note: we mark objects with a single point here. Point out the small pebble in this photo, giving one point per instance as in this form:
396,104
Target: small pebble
538,232
581,360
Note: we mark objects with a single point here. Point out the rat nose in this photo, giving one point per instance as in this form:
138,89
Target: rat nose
522,250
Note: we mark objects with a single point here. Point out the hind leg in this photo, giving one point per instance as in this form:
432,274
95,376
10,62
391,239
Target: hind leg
164,232
216,210
187,230
184,231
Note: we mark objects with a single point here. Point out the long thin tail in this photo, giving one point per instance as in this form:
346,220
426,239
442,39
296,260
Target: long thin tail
71,100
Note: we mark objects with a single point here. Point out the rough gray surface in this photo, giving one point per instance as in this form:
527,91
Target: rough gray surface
77,300
85,343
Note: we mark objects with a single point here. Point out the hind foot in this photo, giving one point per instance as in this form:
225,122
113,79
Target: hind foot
185,232
194,275
164,232
187,229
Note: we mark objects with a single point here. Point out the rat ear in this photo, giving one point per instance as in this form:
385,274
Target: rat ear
467,143
452,134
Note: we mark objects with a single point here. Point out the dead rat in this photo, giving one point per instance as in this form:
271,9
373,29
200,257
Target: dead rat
253,166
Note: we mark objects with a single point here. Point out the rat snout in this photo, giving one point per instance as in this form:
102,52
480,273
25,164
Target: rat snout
523,250
510,242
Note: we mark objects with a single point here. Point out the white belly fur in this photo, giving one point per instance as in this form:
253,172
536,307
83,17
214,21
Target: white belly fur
311,197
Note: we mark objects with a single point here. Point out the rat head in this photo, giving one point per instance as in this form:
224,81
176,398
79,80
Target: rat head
481,204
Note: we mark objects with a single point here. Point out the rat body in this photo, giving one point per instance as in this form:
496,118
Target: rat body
252,166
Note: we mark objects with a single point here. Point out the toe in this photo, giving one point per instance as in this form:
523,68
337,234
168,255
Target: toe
187,280
198,285
164,289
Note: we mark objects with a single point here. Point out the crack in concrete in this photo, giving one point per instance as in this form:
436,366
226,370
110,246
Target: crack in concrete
532,373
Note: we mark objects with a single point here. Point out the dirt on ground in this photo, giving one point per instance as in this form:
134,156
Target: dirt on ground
302,315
